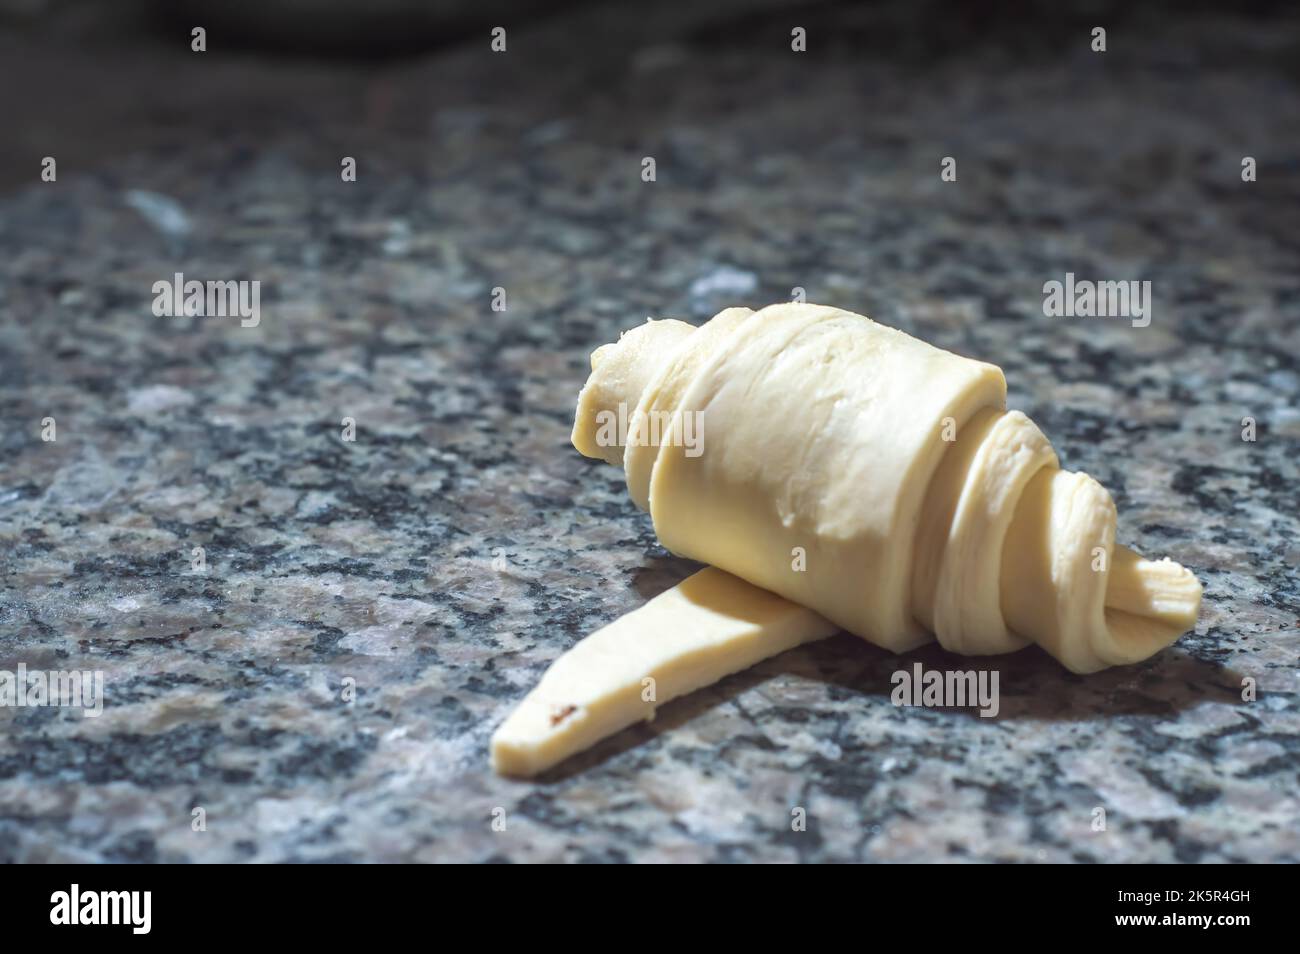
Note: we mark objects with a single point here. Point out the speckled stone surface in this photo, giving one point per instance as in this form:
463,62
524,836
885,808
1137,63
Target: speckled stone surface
443,559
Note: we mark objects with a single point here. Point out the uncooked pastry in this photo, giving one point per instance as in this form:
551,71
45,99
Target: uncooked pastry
863,478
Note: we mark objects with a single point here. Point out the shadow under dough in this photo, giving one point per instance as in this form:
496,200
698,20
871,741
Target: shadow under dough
1032,686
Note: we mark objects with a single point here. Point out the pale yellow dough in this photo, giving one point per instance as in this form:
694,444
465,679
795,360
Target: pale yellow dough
620,674
866,477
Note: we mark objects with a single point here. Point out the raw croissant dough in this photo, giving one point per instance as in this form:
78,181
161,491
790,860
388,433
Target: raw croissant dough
875,482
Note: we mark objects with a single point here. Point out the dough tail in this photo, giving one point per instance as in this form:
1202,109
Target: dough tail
707,627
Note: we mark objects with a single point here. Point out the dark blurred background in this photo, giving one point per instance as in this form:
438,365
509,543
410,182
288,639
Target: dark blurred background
91,79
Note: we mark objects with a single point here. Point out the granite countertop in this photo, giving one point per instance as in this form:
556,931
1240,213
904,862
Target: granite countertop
438,563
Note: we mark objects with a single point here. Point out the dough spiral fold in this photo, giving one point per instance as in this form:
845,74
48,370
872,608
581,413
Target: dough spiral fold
876,480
